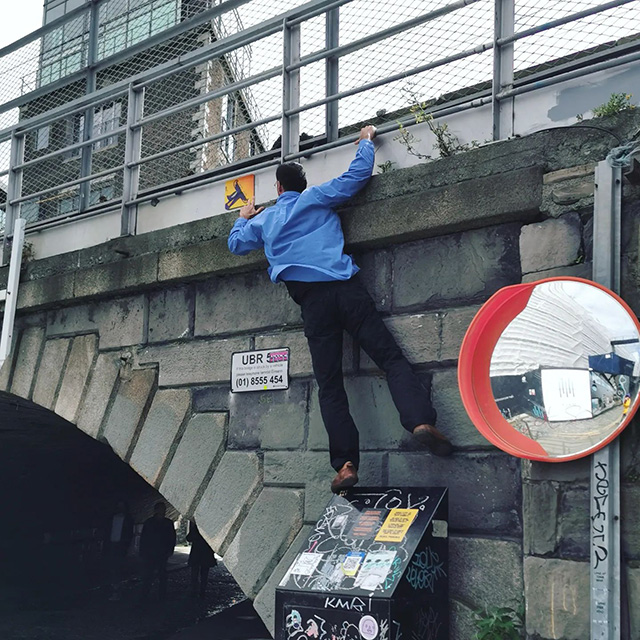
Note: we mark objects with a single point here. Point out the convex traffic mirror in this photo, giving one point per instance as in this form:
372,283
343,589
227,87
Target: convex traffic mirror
550,370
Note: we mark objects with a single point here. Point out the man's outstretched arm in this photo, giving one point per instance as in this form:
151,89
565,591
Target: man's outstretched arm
244,236
343,187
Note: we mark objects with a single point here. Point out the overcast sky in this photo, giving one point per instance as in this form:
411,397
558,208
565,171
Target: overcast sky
20,18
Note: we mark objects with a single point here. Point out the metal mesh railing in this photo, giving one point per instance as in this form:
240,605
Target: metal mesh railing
218,84
605,29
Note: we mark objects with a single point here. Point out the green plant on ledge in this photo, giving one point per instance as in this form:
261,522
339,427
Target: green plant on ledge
447,143
499,623
617,103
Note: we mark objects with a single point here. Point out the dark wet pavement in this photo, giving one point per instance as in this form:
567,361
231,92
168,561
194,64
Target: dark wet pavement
35,612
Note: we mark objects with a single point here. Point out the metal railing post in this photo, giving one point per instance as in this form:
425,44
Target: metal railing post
14,189
132,153
502,109
331,73
605,463
87,132
290,89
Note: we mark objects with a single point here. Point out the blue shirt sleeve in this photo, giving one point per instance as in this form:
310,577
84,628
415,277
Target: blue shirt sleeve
343,187
244,237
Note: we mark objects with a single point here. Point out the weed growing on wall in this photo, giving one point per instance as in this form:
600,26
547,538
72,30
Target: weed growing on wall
447,143
500,623
617,103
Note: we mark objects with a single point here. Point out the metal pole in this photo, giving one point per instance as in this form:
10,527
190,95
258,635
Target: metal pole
605,463
14,188
290,90
331,73
11,296
131,171
504,25
86,153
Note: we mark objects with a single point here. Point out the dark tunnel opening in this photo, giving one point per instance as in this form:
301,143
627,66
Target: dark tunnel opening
58,490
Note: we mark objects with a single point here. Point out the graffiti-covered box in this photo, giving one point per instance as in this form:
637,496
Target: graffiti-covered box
375,567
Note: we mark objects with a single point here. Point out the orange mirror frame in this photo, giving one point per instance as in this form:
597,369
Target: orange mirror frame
474,364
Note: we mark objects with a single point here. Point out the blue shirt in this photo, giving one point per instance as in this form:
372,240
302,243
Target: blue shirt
301,233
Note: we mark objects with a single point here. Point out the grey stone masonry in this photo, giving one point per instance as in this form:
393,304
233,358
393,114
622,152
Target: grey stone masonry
81,357
171,314
449,269
274,519
197,362
243,303
50,369
31,342
228,497
154,445
270,419
552,243
119,322
197,455
127,409
99,392
312,469
485,573
557,597
539,515
452,417
484,488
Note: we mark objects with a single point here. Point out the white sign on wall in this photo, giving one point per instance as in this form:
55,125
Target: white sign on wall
264,370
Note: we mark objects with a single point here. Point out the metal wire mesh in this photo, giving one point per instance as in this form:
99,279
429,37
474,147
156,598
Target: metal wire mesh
601,31
56,55
50,165
428,43
456,47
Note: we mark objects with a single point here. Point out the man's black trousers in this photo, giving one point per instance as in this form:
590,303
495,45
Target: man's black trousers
329,308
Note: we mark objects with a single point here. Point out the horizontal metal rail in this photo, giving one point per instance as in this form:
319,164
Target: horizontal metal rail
399,76
210,95
67,185
387,128
569,75
72,147
169,191
201,141
552,24
381,35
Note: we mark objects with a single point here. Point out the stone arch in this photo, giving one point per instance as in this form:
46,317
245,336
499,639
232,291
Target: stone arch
179,451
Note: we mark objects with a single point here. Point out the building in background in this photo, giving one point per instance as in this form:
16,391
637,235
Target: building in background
125,25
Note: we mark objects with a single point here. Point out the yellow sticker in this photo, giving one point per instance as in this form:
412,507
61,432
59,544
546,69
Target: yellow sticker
395,527
238,191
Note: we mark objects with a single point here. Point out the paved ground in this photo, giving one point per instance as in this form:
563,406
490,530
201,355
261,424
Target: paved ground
89,613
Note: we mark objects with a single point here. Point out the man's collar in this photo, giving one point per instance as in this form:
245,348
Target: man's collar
287,195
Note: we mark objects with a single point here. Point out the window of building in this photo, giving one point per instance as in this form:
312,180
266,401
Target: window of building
102,191
227,122
106,118
42,138
132,21
64,50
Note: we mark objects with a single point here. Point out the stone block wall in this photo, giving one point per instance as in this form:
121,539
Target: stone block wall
136,352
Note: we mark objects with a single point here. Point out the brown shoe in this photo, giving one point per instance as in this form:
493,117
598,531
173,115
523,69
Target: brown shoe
346,477
437,443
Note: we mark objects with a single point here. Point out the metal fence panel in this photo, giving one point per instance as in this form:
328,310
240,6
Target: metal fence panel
211,78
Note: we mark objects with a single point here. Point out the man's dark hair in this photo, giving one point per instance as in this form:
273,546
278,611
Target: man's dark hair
291,176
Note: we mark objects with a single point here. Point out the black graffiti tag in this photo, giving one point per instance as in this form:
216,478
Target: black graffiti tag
599,518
